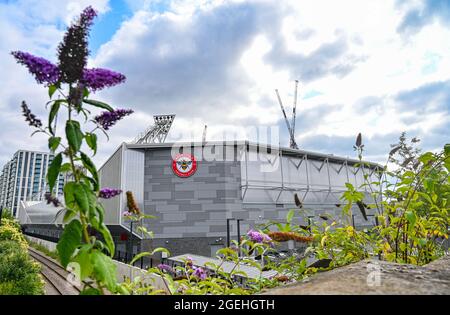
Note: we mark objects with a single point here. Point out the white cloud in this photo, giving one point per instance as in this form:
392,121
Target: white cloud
218,63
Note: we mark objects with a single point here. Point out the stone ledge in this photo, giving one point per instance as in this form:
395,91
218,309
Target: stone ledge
433,278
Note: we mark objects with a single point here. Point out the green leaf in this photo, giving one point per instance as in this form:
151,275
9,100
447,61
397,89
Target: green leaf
422,241
100,212
426,157
239,273
411,217
143,254
53,171
91,140
83,259
66,167
90,166
139,256
69,241
69,215
74,135
349,186
52,89
53,143
122,290
85,92
98,104
108,239
81,197
104,269
447,149
161,249
51,116
290,215
69,194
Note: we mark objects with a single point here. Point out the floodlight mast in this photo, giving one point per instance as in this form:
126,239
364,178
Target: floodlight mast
156,133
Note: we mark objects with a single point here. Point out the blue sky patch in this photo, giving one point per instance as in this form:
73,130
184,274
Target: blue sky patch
107,24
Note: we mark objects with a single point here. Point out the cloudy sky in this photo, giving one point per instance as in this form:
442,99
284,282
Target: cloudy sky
375,67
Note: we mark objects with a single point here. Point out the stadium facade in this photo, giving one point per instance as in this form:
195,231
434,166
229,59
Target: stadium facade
195,189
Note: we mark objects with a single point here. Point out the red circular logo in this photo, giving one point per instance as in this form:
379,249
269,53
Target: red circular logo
184,165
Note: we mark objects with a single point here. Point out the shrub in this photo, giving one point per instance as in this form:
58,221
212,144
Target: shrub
19,275
7,214
343,245
11,222
10,230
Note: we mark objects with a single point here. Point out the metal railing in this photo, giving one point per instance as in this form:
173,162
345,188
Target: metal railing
126,257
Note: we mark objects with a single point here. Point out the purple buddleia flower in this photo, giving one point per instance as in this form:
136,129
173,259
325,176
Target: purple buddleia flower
258,237
43,70
200,273
51,199
108,119
97,79
29,117
73,50
164,267
87,16
107,193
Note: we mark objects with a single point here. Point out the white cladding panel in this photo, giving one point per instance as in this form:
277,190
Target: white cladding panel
111,176
275,178
133,177
295,172
263,168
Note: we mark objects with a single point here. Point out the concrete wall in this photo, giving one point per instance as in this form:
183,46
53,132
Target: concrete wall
49,245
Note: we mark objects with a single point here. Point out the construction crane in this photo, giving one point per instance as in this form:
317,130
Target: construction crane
157,132
290,126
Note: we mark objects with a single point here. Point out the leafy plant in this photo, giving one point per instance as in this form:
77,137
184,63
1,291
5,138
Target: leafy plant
342,244
10,231
19,274
412,210
412,203
7,214
83,213
416,209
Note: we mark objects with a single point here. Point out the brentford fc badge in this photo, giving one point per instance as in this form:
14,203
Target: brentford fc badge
184,165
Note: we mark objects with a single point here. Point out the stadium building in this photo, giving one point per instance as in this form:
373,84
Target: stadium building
202,192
